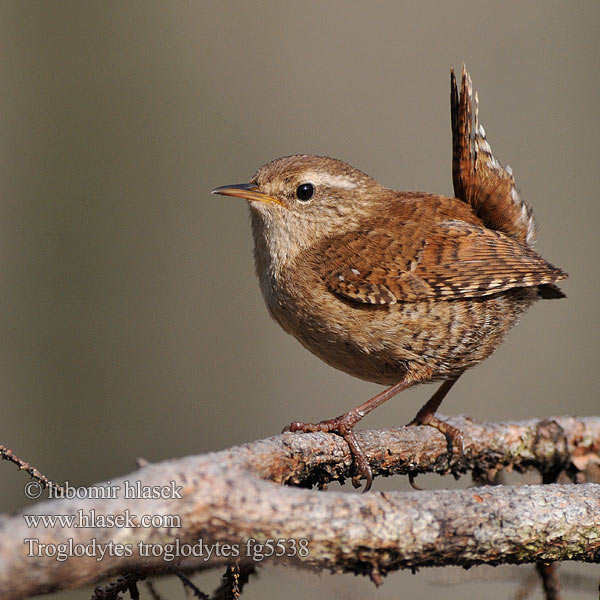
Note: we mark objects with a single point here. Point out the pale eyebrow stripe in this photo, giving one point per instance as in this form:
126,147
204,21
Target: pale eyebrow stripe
331,180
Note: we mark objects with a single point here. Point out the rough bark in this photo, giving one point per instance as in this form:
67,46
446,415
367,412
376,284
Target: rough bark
236,495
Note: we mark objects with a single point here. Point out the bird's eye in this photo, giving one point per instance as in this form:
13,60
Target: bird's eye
305,191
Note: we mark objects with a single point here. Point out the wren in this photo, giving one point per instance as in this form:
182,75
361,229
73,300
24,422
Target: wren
396,288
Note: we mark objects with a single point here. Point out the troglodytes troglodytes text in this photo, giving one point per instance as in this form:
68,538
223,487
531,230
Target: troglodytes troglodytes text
397,288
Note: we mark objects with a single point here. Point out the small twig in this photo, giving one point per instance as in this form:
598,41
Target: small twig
235,578
123,583
187,582
8,454
550,580
548,572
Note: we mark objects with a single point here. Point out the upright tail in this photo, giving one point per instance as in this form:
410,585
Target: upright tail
479,179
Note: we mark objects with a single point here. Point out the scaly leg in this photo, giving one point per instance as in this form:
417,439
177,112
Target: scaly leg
426,416
344,424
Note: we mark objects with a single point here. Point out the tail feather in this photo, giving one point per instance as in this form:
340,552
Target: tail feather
478,178
550,291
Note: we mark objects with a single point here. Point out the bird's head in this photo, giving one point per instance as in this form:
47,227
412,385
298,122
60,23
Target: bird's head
299,199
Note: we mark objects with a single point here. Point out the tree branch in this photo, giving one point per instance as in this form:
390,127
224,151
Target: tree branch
230,497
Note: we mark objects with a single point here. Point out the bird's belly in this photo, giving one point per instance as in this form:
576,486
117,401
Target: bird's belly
423,341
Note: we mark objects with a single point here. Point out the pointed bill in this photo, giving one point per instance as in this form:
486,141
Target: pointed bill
249,191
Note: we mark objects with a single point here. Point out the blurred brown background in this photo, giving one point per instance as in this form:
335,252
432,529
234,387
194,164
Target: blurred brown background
131,321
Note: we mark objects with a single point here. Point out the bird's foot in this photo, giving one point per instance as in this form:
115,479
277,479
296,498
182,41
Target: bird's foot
341,425
454,436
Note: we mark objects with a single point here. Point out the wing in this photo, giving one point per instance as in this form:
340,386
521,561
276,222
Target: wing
479,179
453,260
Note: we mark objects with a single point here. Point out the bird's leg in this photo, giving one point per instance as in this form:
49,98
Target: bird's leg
426,416
344,424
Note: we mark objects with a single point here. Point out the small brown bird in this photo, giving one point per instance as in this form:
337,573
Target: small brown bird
397,288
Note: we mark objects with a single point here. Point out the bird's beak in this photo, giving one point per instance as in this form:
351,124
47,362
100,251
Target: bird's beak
249,191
